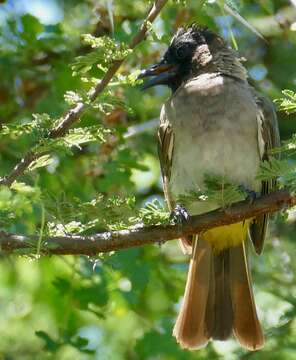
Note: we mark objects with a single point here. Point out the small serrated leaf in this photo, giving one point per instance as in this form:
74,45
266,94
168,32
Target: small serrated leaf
44,160
22,188
288,102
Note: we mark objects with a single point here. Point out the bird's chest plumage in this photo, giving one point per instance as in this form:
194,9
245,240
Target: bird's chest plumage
214,121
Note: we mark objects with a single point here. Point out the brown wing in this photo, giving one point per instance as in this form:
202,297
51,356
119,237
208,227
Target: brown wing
268,131
165,153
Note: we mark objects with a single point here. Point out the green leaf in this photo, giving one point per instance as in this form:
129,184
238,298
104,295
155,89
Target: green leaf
43,161
283,170
63,285
73,139
106,52
83,64
50,344
80,343
23,188
72,98
274,168
154,213
17,202
31,27
37,128
79,136
288,102
84,293
216,189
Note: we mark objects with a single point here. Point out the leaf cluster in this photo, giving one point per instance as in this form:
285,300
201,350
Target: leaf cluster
106,51
216,190
287,103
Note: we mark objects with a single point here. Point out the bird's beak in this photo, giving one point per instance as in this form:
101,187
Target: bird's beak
160,74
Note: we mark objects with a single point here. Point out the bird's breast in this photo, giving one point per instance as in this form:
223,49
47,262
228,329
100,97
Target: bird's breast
215,133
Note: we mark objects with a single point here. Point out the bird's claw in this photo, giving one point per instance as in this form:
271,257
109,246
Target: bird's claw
251,195
179,215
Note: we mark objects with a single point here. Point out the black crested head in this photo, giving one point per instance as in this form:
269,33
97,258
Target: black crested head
179,61
186,40
184,46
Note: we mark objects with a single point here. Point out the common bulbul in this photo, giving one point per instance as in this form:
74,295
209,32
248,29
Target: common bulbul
213,123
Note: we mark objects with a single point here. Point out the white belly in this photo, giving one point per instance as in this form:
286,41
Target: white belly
213,135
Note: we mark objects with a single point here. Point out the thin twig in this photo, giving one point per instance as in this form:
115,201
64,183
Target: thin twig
75,113
117,240
138,129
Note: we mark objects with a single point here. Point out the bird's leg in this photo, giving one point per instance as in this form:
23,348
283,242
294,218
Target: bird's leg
179,215
251,195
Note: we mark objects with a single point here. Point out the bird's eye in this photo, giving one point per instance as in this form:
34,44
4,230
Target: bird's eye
182,52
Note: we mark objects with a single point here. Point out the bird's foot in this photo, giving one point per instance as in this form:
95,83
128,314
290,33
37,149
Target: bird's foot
179,215
251,195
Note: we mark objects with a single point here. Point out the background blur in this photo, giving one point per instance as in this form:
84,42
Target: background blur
122,305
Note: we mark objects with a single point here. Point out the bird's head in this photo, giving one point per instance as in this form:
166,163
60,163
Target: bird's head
189,52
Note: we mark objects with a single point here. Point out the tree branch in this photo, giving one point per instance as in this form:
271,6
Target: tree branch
75,113
117,240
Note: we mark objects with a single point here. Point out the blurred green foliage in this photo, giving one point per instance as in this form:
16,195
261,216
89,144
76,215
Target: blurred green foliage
121,305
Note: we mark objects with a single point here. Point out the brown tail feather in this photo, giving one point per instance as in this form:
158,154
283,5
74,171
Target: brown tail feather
219,318
246,326
189,329
218,300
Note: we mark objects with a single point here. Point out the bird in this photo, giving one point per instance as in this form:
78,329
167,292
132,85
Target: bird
215,123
